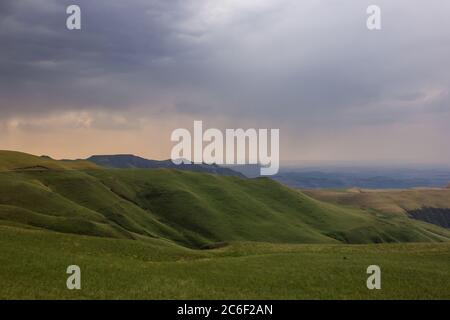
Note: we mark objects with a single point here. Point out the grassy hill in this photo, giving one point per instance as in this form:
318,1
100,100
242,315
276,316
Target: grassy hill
389,201
188,208
136,233
12,160
431,205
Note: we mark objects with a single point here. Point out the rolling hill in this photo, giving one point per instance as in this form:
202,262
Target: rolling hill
389,201
13,160
136,234
188,208
427,204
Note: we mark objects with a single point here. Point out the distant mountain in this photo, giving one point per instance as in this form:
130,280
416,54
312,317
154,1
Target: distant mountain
124,161
248,170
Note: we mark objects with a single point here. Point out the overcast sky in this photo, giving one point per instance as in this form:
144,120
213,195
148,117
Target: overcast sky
139,69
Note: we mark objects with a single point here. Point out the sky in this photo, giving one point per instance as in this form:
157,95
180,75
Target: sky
139,69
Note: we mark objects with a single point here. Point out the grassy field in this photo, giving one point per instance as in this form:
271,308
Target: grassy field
33,265
142,234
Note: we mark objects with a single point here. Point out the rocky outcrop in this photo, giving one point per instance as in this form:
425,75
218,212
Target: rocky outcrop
437,216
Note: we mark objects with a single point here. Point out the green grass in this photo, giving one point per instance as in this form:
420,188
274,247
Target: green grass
33,265
188,208
191,209
137,233
13,160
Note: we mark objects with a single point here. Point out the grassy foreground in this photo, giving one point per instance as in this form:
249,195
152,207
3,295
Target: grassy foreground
33,266
138,234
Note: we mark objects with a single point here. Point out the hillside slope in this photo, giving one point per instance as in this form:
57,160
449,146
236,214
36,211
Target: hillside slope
188,208
13,160
393,201
209,208
431,205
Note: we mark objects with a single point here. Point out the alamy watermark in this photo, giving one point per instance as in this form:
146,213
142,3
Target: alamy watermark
374,280
73,21
234,147
74,280
374,20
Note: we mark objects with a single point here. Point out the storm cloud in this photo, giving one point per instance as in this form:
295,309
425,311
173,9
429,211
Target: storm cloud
310,67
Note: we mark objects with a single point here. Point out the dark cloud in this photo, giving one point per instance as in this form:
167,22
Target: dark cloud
308,62
113,61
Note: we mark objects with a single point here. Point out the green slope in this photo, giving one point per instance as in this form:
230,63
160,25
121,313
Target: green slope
13,160
188,208
207,208
391,201
33,265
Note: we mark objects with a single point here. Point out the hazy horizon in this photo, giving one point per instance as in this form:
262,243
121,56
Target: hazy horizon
290,164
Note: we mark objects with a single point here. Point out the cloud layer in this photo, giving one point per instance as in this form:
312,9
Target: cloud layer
308,67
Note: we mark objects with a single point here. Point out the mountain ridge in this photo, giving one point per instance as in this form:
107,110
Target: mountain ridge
127,161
